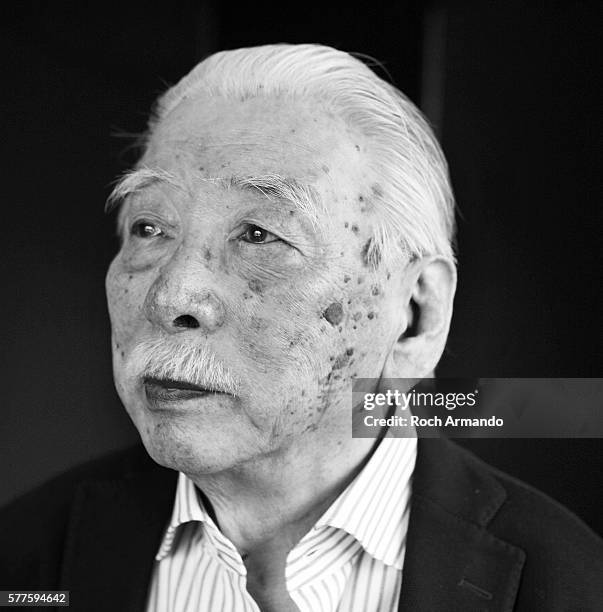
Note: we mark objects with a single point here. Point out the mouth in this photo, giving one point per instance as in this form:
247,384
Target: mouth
162,390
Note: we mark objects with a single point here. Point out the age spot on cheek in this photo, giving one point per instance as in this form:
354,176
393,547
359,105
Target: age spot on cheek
334,313
256,286
341,362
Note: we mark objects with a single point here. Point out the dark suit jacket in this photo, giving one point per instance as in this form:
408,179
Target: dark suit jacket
477,540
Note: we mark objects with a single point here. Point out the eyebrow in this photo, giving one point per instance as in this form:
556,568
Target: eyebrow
302,195
136,180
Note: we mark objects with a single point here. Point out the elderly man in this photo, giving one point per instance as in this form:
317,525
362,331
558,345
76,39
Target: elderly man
287,230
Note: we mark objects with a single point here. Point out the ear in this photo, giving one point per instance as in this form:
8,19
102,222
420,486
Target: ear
425,311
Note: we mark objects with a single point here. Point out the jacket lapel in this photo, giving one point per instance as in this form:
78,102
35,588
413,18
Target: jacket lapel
114,532
452,562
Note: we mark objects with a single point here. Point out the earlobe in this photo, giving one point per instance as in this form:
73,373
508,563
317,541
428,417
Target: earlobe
430,287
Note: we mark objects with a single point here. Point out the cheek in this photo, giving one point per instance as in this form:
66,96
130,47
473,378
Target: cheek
278,337
282,342
124,304
363,329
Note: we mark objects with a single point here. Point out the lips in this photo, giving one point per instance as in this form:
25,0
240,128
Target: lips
161,390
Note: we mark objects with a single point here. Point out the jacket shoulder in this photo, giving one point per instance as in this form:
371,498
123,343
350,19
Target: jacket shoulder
541,516
564,557
33,527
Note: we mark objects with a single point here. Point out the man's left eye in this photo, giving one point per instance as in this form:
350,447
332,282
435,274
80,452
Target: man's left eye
258,235
144,229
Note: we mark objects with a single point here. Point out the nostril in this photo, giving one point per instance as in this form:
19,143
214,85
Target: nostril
186,321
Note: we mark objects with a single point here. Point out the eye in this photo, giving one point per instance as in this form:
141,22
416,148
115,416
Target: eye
144,229
258,235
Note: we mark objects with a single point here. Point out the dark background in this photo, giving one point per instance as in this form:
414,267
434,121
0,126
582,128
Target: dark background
511,90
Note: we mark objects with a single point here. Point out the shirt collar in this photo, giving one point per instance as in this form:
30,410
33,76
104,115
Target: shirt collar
373,508
187,507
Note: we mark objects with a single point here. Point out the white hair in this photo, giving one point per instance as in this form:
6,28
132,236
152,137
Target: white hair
412,195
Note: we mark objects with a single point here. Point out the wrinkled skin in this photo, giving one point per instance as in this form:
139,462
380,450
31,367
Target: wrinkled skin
294,319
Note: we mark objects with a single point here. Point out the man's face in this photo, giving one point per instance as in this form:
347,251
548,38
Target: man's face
290,311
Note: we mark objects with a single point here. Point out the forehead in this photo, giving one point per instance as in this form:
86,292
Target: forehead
219,138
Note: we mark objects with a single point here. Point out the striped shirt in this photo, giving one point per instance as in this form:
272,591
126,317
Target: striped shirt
350,561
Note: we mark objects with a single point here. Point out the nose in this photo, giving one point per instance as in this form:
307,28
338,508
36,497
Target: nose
179,302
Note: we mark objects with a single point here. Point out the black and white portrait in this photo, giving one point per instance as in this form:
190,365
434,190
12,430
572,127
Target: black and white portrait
301,308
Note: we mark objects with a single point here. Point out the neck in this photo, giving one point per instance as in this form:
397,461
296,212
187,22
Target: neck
279,496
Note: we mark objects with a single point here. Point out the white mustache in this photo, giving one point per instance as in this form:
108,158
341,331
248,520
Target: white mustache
193,364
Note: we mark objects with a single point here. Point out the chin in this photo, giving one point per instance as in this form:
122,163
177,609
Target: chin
191,450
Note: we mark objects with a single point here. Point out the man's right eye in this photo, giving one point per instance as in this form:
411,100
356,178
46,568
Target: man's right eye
144,229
